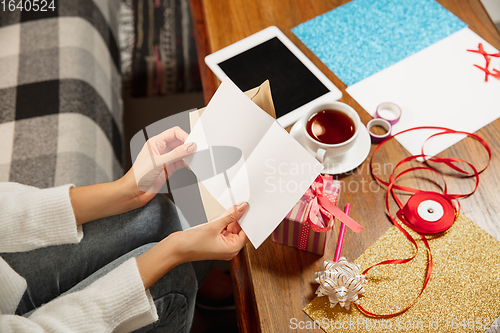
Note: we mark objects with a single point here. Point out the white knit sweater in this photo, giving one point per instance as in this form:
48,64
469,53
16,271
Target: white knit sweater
31,218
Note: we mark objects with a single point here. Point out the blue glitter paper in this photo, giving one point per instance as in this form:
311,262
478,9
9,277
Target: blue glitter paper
363,37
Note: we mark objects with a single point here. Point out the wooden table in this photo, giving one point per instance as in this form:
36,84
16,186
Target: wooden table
273,284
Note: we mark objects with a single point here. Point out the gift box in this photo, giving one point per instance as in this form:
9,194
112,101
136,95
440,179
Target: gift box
308,225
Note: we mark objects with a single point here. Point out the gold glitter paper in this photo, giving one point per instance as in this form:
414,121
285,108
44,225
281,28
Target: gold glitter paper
462,294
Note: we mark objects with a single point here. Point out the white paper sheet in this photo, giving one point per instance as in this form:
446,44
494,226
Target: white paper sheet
273,171
438,86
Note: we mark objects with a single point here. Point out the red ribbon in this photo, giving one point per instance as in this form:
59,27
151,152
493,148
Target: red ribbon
391,186
324,203
410,215
487,57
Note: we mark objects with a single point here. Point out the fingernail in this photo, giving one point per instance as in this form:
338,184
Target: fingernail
191,147
241,206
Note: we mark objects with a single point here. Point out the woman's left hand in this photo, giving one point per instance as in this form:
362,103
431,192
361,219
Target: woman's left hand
159,158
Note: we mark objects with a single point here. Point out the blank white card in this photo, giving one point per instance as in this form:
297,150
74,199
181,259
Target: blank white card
272,173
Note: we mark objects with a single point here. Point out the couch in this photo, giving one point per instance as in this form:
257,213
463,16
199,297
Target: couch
61,115
61,109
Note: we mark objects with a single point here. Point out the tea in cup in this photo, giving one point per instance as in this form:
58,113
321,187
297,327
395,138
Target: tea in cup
330,129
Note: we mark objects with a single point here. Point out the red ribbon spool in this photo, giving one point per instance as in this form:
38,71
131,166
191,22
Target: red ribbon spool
411,215
428,213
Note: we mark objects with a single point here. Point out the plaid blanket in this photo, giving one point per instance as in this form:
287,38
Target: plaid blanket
60,94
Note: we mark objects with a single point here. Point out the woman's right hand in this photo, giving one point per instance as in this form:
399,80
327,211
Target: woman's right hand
219,239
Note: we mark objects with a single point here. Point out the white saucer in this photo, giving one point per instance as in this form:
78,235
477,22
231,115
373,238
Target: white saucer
344,163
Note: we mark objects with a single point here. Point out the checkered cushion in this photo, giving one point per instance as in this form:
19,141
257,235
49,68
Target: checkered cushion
60,95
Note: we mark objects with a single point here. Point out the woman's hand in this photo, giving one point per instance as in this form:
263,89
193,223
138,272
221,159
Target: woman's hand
221,238
159,158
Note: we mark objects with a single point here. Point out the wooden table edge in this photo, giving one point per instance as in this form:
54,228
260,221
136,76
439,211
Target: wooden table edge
244,296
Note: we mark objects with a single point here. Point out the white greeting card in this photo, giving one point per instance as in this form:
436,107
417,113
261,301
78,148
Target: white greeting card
243,154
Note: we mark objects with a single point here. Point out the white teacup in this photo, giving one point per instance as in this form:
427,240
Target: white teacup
332,150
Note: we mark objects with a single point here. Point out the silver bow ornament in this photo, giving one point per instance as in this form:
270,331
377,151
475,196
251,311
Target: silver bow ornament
341,281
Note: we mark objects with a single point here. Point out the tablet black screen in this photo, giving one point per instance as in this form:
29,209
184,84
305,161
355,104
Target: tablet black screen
292,84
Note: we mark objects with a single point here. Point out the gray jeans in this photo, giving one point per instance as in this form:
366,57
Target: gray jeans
57,270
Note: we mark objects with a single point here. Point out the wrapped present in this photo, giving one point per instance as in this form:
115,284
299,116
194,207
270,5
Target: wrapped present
309,225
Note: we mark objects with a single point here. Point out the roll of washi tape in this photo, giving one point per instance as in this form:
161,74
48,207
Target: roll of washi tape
388,111
428,213
377,138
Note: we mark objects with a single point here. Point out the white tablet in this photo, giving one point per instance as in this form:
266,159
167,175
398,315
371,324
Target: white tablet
296,83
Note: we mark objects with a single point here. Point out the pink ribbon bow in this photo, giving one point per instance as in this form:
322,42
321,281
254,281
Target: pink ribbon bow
324,203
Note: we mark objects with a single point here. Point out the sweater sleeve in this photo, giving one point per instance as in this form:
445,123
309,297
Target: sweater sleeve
116,302
31,217
12,287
